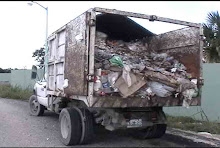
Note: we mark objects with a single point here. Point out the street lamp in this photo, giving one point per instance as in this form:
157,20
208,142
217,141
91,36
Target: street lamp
46,46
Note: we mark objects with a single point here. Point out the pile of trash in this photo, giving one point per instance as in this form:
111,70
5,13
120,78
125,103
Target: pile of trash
132,69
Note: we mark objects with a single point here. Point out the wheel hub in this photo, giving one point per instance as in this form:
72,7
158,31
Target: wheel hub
34,105
64,127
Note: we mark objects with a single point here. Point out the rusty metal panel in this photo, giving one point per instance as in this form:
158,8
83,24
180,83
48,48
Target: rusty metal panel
51,58
91,30
56,54
183,44
109,101
76,56
144,16
61,46
201,57
51,49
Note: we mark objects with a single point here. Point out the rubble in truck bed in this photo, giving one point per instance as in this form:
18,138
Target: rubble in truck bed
132,69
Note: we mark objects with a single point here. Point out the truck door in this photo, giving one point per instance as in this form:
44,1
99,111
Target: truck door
76,56
185,45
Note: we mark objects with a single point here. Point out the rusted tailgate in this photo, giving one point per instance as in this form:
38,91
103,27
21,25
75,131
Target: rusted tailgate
183,44
76,56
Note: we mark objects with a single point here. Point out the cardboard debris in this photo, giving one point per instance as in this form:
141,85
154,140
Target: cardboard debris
137,81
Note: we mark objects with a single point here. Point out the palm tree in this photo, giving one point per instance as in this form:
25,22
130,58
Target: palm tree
212,34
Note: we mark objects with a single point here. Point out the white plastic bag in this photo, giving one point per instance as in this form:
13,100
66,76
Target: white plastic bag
185,104
65,83
112,77
188,95
160,89
126,75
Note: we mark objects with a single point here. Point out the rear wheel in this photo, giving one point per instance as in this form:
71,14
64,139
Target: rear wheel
155,131
76,126
88,130
70,126
36,108
161,130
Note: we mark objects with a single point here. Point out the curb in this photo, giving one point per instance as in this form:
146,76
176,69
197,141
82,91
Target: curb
195,137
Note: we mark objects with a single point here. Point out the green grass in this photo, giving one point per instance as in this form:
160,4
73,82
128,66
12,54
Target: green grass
14,92
188,123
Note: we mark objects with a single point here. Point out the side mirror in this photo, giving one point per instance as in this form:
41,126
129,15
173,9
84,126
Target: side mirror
34,72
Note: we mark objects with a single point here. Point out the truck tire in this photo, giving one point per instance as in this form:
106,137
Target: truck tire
87,118
36,109
70,126
155,131
146,133
161,130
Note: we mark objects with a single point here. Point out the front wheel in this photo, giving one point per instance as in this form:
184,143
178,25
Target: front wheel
36,109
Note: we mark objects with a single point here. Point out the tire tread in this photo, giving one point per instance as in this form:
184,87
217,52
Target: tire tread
75,133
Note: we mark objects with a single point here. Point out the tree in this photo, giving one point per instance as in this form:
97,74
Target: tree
5,70
8,70
212,34
39,56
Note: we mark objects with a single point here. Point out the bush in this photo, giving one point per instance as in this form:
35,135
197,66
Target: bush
15,92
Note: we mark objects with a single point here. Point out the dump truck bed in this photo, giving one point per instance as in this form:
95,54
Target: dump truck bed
72,48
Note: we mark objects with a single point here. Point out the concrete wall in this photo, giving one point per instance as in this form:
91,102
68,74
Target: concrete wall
210,105
20,78
5,78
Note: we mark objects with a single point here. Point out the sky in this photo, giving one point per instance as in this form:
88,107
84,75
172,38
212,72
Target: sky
23,27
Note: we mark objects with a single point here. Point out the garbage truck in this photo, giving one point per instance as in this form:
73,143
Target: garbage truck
103,68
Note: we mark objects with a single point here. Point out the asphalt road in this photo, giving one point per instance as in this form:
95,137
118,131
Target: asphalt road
19,129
